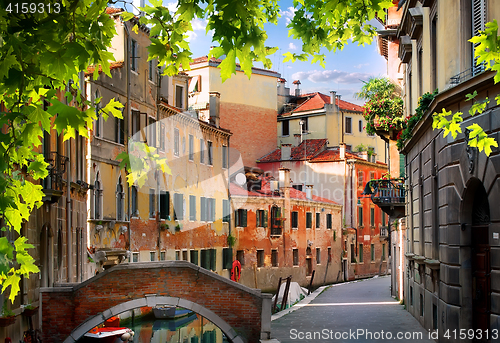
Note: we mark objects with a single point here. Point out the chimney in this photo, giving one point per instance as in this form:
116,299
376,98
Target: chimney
214,108
338,97
281,86
284,178
297,87
298,138
286,152
332,97
309,192
342,151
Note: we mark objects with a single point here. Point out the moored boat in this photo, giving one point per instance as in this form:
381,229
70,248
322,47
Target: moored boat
109,335
170,312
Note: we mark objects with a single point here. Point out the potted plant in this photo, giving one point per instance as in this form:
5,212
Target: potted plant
8,317
29,310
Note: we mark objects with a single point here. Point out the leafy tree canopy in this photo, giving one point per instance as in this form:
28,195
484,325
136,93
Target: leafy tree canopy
45,45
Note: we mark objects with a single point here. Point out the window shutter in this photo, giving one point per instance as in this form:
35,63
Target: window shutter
236,218
213,259
244,219
202,209
478,24
265,218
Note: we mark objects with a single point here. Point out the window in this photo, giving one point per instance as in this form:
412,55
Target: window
318,256
372,216
179,103
261,218
133,55
353,255
97,198
152,132
178,206
348,128
383,252
276,220
304,122
360,216
176,142
184,255
164,205
152,196
213,259
192,208
202,151
360,179
151,70
210,209
309,220
295,257
318,220
98,121
80,157
295,220
152,255
240,218
372,252
210,153
162,136
120,199
193,256
224,157
240,256
297,187
274,258
260,258
162,256
285,128
361,253
227,258
135,257
372,175
177,255
348,147
329,254
360,125
329,221
191,148
119,130
135,206
136,124
226,211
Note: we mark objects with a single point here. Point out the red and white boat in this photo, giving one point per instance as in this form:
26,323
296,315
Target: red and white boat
110,333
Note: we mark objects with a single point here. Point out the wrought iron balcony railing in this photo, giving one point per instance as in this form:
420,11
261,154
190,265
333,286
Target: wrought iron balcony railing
57,168
390,192
384,232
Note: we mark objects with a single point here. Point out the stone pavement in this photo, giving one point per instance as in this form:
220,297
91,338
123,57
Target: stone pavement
354,312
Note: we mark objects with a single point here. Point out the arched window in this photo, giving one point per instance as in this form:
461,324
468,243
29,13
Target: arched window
120,199
97,198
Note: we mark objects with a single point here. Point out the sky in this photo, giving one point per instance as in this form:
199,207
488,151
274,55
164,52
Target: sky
344,70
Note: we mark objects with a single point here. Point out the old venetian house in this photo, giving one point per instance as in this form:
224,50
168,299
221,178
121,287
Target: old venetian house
453,228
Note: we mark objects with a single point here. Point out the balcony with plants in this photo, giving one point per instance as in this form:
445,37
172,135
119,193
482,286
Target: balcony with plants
389,194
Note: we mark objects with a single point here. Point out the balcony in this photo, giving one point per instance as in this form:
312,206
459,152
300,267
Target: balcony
384,233
389,195
53,183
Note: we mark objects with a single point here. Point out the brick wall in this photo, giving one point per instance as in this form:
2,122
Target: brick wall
65,308
254,130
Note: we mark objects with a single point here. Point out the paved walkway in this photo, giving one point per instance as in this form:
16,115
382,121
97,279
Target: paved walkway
355,312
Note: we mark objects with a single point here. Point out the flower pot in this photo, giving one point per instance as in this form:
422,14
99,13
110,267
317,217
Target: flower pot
28,312
6,321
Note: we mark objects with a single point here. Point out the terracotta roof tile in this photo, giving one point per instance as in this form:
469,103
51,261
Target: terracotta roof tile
305,150
114,10
113,65
318,100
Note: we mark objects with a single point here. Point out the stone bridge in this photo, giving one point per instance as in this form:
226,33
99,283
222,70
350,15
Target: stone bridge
242,313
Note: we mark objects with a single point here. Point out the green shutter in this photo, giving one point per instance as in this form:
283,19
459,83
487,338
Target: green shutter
236,218
265,218
213,254
401,165
257,217
244,219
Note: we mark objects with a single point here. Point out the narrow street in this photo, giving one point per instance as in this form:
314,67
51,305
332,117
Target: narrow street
360,311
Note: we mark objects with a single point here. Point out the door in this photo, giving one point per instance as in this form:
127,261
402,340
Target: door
481,278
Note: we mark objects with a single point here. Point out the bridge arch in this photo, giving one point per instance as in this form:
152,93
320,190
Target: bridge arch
69,311
151,301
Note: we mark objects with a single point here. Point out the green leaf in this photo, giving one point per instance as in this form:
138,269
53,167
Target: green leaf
11,281
469,96
126,16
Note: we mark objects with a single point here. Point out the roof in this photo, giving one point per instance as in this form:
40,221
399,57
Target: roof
265,191
305,150
217,61
114,10
333,155
318,100
112,65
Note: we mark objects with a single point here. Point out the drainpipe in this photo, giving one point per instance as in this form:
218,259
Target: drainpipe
68,213
129,114
351,168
